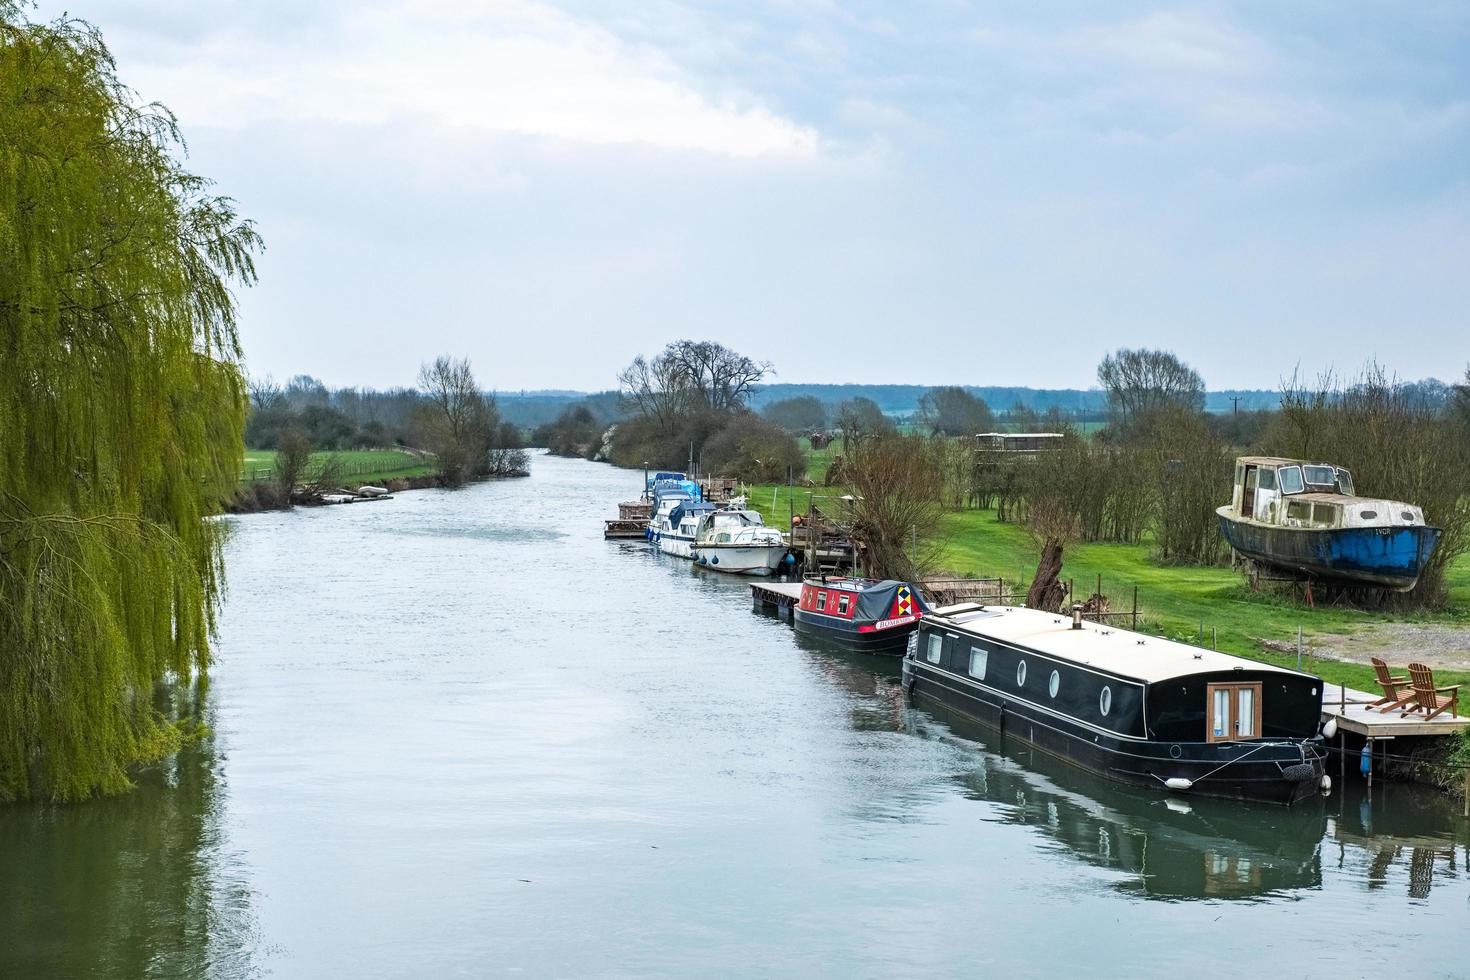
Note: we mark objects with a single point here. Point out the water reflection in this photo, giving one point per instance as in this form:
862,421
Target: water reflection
139,885
1166,847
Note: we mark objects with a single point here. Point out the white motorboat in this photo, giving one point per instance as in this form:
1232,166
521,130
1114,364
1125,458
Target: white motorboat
737,541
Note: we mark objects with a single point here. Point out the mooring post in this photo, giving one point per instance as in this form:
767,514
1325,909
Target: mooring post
1214,637
1298,647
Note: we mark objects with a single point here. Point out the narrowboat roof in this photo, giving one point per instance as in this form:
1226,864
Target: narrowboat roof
1108,648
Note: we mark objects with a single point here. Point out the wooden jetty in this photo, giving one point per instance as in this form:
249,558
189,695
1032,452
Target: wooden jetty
1353,714
621,529
780,597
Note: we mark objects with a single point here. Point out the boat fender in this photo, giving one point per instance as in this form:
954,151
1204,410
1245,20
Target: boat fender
1329,728
1366,765
715,560
1326,783
1300,773
1178,783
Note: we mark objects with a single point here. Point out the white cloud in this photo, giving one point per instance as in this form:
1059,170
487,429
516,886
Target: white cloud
515,67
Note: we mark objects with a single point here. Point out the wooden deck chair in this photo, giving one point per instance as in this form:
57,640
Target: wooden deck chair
1397,690
1427,697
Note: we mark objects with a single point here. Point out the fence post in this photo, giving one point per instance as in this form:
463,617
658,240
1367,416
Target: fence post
1135,607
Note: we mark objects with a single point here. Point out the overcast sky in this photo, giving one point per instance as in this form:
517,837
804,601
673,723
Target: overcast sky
924,192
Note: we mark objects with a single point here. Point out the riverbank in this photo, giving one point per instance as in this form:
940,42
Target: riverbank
1211,605
396,470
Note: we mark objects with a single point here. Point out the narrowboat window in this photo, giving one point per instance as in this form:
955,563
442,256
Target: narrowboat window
1105,700
936,647
1220,715
1268,480
1409,515
1368,515
1324,514
842,603
978,658
1245,716
1291,479
1321,476
1021,674
1344,481
821,600
1055,683
1299,510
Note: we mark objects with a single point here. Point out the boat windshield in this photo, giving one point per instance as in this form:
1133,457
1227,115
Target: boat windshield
1291,479
1320,476
1345,482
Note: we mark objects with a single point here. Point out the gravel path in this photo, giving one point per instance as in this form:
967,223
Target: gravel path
1436,644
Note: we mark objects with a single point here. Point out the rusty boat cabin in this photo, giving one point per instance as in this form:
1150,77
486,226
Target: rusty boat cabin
862,614
1305,518
1134,708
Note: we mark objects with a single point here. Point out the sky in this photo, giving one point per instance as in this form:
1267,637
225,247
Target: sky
935,192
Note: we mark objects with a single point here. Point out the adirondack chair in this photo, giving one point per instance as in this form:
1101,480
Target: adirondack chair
1427,697
1397,690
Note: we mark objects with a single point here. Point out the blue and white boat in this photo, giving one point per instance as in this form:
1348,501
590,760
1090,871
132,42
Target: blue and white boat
676,534
1304,518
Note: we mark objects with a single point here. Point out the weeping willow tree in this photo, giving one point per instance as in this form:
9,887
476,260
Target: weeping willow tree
121,412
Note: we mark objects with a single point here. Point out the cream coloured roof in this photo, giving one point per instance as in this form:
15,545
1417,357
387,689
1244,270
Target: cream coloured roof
1119,651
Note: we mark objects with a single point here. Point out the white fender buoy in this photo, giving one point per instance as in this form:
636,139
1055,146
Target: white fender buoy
1329,728
1326,783
1178,782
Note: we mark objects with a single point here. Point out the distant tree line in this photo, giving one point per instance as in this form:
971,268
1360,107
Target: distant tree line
447,415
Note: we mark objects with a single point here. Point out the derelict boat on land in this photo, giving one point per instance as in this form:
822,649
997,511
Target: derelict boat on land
1135,708
1305,518
863,614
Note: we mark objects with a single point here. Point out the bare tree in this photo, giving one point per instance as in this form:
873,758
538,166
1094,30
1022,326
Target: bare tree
265,394
897,511
1141,382
689,377
293,456
457,421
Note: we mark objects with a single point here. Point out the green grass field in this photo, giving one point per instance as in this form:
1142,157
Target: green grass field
355,466
1182,602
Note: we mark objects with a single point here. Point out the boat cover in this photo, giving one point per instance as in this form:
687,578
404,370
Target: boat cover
685,509
889,600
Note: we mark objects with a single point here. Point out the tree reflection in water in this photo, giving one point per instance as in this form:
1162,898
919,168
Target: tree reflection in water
139,885
1168,847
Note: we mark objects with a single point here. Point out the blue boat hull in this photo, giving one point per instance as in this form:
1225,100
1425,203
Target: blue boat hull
1375,557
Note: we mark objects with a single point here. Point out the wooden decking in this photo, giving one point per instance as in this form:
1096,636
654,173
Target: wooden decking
779,597
1351,710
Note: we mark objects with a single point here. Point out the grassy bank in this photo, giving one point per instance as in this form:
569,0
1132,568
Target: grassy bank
357,466
1187,603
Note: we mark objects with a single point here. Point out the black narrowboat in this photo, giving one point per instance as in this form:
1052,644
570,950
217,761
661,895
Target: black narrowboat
862,614
1131,707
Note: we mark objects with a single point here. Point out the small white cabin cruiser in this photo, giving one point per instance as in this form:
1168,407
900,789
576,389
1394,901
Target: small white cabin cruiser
738,541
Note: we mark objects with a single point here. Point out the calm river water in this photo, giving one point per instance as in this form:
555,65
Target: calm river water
459,734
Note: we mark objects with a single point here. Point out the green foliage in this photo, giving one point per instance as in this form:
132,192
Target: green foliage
954,411
804,414
121,409
755,450
575,432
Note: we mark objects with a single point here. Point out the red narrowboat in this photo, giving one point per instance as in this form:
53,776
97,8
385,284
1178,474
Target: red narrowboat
867,615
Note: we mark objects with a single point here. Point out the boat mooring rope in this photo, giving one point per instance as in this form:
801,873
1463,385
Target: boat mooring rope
1230,763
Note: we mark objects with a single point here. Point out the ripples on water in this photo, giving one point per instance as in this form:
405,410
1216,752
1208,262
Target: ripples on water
459,734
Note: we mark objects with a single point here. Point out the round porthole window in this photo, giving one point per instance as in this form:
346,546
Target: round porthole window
1105,700
1021,674
1054,684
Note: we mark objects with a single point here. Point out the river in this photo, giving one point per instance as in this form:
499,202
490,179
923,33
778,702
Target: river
459,734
